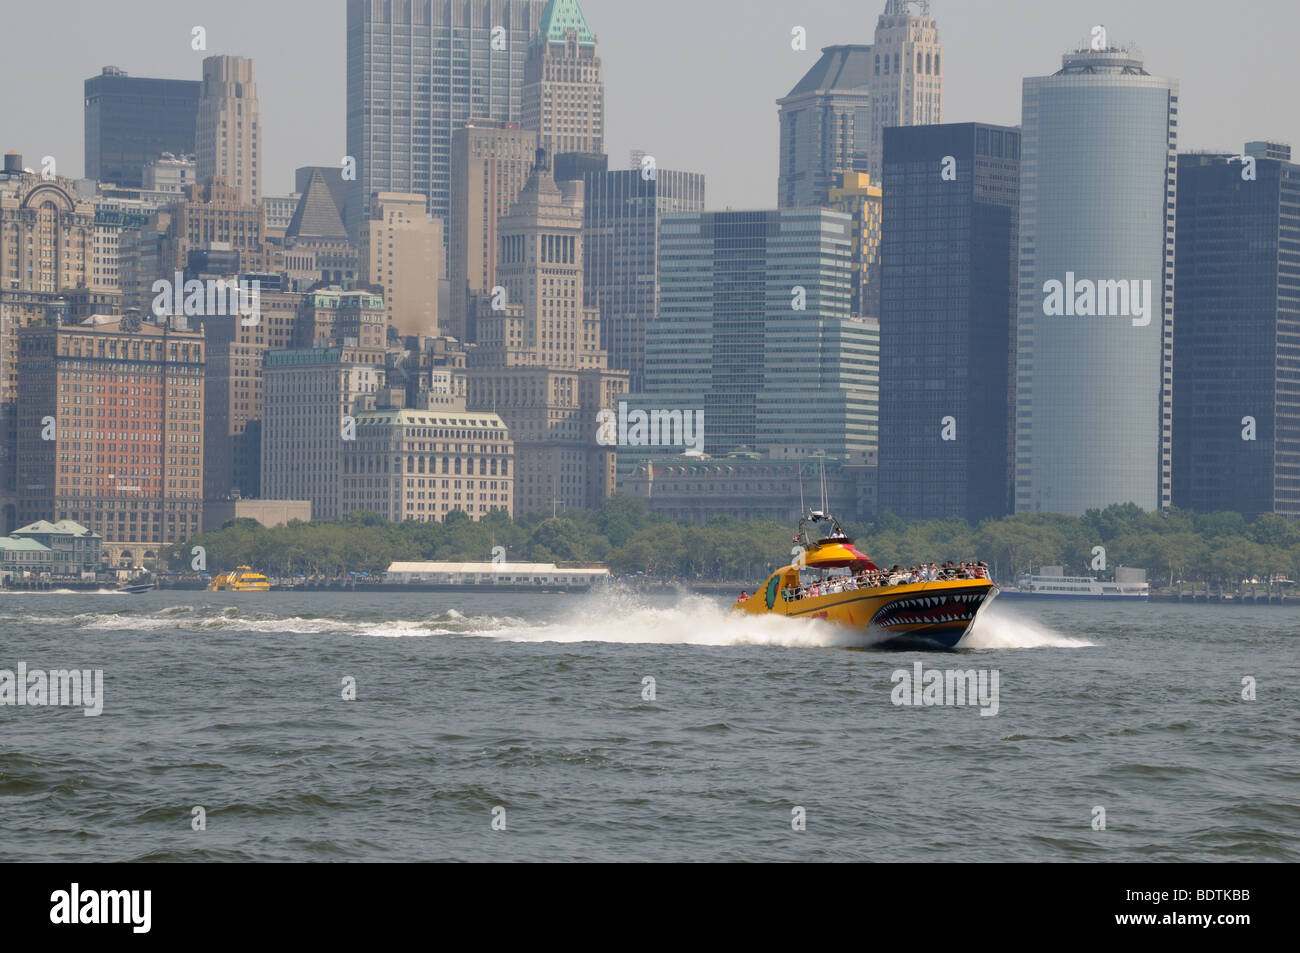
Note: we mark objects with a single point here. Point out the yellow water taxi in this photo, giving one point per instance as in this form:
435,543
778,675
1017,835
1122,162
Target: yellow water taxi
242,579
830,579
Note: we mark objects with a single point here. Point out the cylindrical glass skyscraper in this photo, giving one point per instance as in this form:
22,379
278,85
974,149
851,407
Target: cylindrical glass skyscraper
1095,327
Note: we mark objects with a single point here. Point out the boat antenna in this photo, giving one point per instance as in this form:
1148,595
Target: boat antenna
823,467
802,510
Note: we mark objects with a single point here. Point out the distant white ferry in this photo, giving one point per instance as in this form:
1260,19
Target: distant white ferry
498,577
1130,585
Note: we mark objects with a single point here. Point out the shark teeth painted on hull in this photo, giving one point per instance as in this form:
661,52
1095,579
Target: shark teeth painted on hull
957,607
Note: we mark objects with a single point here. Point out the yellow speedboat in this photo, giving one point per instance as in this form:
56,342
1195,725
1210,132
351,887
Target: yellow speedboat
242,579
830,579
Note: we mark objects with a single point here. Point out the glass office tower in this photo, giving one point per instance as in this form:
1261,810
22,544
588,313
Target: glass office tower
1237,350
418,70
1095,327
754,329
131,120
948,306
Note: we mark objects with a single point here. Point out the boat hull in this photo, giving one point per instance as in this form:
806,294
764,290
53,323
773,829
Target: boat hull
925,615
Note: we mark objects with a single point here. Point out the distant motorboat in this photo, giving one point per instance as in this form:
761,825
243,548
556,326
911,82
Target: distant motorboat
242,579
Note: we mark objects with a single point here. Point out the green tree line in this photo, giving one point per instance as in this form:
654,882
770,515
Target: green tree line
1172,545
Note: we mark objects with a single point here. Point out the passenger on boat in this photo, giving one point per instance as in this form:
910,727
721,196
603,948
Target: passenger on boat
744,596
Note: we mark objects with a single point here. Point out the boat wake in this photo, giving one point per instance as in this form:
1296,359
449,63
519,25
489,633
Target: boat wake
617,616
1000,628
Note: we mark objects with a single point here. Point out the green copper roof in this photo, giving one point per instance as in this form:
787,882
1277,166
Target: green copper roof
561,16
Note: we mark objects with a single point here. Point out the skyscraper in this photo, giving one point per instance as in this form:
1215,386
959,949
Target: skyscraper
564,92
131,120
832,122
906,74
623,214
1095,328
228,137
490,164
825,127
948,307
754,329
1236,424
401,251
418,70
538,361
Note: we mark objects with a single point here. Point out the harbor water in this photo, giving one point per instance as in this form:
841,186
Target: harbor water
327,726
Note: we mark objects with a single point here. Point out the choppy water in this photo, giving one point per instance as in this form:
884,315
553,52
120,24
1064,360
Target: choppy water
535,704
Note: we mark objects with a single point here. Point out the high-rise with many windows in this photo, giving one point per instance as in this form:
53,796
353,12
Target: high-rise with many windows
948,307
754,329
418,70
228,134
825,127
623,213
490,164
1236,426
1094,345
906,74
564,92
833,121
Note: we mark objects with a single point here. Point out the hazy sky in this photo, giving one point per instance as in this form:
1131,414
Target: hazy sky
693,82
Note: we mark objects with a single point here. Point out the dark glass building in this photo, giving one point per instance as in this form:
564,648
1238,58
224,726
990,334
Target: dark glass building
1237,335
754,329
949,252
131,120
621,239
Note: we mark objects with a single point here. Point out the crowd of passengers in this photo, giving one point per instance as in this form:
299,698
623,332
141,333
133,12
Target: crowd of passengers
897,576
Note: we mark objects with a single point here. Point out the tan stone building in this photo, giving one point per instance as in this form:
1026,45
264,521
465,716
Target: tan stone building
47,249
564,92
400,251
110,432
490,163
215,214
228,136
538,361
423,464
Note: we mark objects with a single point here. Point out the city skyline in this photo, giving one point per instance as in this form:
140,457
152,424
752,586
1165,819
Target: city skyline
746,61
